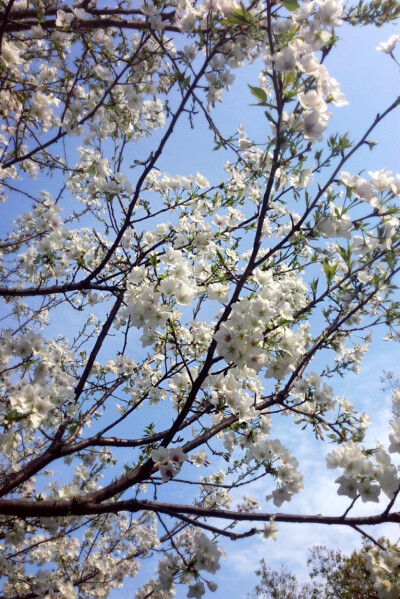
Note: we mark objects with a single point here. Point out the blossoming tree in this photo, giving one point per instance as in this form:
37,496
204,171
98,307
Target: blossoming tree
154,323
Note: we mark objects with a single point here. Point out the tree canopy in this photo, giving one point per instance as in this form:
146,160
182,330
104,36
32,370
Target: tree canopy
333,575
157,326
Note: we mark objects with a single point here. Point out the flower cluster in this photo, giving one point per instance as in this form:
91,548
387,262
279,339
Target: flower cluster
382,565
169,461
361,476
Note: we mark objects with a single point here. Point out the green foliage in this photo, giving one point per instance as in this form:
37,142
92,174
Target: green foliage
281,584
377,12
291,5
239,16
332,574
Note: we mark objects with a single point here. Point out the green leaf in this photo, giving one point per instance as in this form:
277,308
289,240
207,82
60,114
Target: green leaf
291,5
345,254
14,416
329,271
239,16
238,19
372,144
259,93
314,285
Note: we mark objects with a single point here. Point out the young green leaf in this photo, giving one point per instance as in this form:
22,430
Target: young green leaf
259,93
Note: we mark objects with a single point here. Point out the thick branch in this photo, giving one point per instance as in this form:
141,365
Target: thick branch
90,24
79,507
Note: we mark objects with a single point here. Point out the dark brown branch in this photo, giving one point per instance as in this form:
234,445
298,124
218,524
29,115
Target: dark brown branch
14,27
5,22
99,342
78,506
55,289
